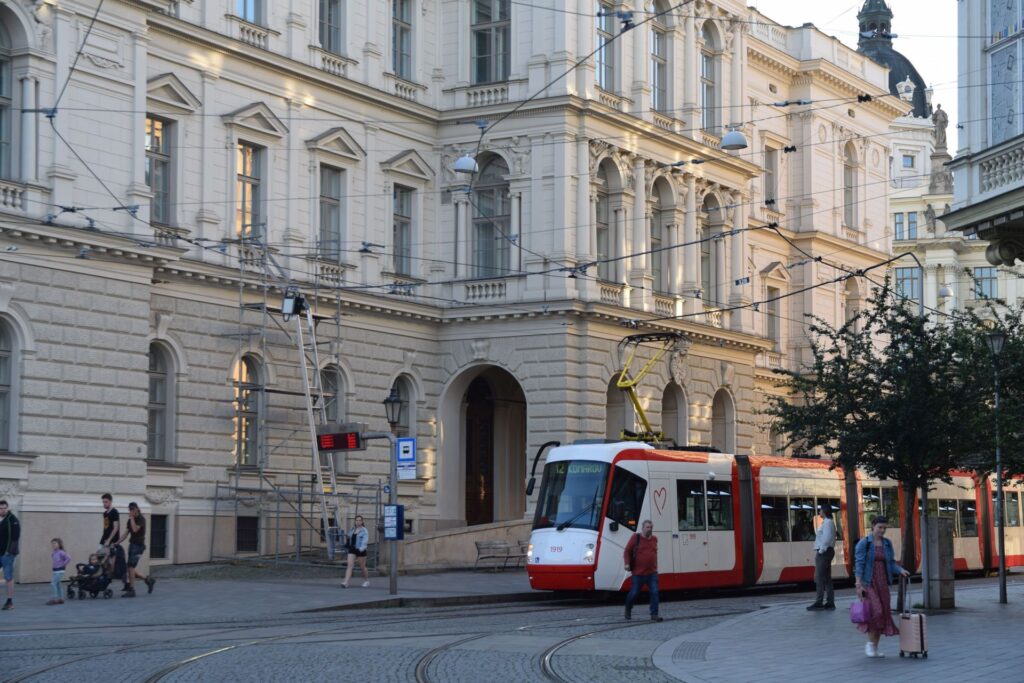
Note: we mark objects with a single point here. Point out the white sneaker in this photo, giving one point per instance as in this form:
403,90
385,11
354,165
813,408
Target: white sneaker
366,584
870,649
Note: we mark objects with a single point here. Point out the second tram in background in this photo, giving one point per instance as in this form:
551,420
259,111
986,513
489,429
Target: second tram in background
730,520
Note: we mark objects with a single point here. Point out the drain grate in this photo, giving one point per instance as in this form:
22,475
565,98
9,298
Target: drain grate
691,651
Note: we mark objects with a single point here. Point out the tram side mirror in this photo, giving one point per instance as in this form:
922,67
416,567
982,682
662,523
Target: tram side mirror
613,526
529,486
617,510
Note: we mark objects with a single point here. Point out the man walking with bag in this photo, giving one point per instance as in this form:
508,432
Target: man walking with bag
641,560
824,552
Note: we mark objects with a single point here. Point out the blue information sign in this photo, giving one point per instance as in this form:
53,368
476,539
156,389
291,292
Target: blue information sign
406,454
394,522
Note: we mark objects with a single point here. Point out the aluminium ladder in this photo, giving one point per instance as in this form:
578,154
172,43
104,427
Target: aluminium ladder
325,483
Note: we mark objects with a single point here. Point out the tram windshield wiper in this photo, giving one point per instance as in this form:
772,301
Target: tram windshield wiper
569,522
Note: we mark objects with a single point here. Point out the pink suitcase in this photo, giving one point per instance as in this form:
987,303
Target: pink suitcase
913,626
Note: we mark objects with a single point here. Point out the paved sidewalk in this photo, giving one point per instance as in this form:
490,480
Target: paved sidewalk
980,640
197,600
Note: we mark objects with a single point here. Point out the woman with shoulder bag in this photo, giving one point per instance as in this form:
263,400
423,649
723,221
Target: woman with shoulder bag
358,539
874,567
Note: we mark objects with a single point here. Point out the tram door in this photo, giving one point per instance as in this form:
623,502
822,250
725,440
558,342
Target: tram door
690,534
663,518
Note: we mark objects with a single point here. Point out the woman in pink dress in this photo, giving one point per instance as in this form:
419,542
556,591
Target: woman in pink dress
875,566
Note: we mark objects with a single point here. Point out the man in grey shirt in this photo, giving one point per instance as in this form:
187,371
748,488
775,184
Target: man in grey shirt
824,552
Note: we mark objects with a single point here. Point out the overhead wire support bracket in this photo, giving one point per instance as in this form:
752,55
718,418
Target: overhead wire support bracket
628,383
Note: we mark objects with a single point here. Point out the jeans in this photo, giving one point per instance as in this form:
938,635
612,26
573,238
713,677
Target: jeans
58,574
651,581
7,560
823,577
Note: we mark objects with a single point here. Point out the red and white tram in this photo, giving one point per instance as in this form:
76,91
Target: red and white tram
730,520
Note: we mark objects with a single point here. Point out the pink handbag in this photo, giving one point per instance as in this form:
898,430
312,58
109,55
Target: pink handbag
860,612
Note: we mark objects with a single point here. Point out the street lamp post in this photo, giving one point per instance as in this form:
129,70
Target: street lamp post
393,410
996,341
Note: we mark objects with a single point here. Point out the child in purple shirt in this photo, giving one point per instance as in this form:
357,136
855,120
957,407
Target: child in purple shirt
60,562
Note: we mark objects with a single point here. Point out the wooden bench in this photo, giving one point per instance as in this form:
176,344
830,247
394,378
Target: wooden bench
499,555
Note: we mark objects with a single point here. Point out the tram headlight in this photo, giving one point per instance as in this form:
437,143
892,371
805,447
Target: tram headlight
588,553
529,552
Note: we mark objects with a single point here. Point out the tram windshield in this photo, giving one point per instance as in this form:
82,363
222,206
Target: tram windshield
571,495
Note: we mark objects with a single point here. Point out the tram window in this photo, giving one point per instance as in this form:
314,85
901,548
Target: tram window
774,519
627,498
801,518
837,516
719,506
891,506
690,498
968,518
1012,516
944,508
871,504
572,493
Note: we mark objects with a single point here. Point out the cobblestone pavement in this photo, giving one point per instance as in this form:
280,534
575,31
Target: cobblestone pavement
202,630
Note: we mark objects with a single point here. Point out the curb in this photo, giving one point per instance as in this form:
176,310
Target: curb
457,600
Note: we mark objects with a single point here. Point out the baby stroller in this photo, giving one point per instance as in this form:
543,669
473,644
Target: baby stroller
95,576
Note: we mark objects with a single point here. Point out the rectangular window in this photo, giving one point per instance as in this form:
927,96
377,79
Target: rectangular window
605,57
248,218
870,504
330,26
157,408
627,498
986,283
898,232
771,169
801,518
401,38
604,267
331,181
1012,507
158,537
944,508
158,169
690,498
774,519
247,534
908,161
5,118
908,283
491,31
250,10
837,517
708,102
719,500
657,255
659,69
968,522
772,316
402,232
912,225
706,280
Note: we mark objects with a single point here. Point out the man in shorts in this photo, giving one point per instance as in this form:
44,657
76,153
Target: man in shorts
10,535
136,535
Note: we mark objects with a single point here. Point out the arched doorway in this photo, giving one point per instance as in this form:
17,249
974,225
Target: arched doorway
483,472
723,422
675,415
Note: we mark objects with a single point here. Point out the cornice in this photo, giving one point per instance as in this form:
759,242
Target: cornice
773,62
140,249
852,85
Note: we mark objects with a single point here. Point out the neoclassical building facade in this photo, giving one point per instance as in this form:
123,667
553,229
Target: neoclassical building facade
162,187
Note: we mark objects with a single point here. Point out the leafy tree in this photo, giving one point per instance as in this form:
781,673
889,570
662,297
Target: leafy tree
886,392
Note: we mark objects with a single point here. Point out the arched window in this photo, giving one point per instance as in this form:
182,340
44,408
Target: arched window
850,186
661,52
491,220
605,57
248,392
851,300
7,369
160,437
332,382
709,79
603,233
616,416
712,254
661,221
723,422
403,387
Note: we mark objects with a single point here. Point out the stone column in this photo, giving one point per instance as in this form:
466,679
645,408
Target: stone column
622,264
930,288
207,218
691,127
28,171
583,217
691,252
515,236
638,263
460,202
138,191
736,76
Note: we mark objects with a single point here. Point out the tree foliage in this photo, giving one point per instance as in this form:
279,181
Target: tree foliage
904,398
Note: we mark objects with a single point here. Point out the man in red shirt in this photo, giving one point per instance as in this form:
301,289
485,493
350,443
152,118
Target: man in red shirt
641,558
